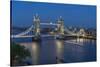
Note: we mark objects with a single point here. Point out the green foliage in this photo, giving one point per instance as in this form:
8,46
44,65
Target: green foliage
18,52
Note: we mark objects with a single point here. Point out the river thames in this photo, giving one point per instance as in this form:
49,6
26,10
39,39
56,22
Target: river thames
52,51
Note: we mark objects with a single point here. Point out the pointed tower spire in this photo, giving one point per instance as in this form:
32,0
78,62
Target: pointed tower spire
37,16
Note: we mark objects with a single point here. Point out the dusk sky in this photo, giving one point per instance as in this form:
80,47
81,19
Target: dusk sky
73,15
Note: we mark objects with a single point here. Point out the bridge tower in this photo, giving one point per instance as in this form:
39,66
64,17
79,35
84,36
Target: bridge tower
82,32
60,26
36,22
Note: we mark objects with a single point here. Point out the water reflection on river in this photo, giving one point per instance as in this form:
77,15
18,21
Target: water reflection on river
50,51
59,50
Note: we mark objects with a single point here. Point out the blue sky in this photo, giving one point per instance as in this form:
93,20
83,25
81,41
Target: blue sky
73,15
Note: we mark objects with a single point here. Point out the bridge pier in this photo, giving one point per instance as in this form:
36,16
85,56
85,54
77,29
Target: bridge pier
38,38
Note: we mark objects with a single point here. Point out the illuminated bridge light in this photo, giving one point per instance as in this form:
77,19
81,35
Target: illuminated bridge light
51,23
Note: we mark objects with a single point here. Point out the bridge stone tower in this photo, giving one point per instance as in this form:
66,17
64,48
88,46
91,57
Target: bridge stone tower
82,32
36,22
60,26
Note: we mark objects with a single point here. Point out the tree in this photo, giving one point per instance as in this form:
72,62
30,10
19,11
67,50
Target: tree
18,53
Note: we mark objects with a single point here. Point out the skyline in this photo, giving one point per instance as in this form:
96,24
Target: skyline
73,15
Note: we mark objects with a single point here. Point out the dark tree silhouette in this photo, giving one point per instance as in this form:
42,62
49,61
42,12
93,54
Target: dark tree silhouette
18,53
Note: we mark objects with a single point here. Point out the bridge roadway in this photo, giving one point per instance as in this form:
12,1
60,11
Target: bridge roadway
28,36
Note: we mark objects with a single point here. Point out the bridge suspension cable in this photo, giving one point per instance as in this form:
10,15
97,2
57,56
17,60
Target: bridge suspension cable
23,33
69,32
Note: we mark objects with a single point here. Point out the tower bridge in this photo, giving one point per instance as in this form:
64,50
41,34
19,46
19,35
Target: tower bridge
35,29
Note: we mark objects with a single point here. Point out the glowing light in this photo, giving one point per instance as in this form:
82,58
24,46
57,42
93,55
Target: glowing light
51,23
